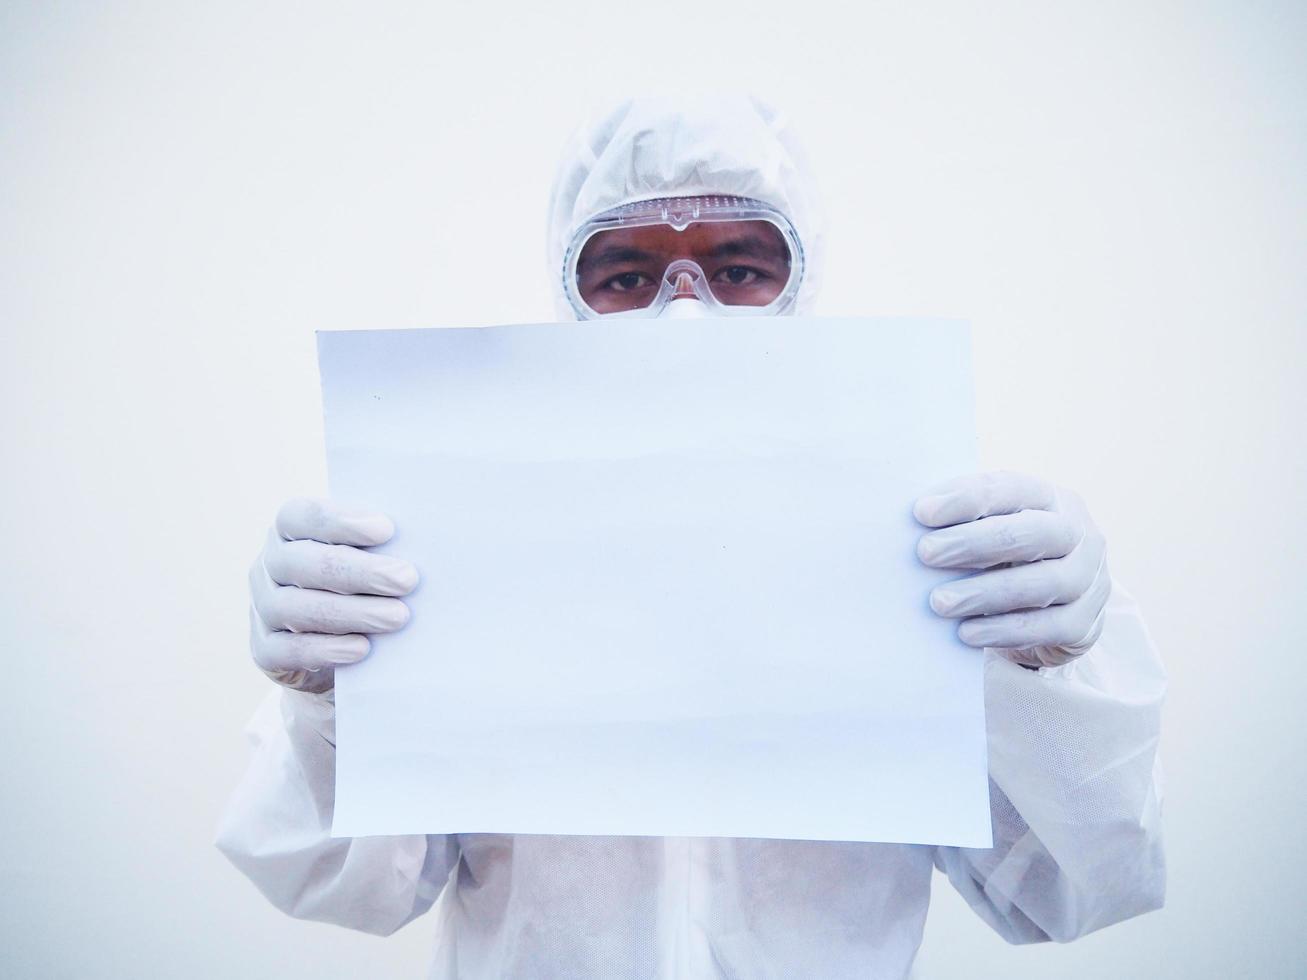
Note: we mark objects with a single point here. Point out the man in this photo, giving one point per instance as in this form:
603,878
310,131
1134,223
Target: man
664,209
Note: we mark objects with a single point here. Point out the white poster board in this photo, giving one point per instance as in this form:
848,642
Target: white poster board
668,584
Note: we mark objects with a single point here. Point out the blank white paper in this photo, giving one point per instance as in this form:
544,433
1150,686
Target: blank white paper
669,584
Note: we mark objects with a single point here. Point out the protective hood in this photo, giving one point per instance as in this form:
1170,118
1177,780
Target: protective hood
661,147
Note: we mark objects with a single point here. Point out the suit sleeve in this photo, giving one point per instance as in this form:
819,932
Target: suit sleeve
1075,790
277,830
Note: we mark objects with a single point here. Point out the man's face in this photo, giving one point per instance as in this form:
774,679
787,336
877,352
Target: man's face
744,263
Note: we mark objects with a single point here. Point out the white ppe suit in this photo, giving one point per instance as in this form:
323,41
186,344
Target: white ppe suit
1072,753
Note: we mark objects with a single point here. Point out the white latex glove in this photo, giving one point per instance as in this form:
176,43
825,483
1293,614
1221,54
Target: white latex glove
1041,602
315,594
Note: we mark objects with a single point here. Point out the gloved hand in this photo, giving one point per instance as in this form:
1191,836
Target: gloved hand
315,594
1041,604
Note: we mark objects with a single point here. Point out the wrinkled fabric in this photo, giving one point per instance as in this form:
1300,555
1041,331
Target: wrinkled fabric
1077,846
1073,749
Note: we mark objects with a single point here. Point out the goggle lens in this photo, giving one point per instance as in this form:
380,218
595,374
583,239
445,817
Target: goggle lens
742,263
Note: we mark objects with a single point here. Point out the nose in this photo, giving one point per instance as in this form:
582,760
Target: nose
684,286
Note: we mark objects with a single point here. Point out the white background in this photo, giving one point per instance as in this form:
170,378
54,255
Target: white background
1114,193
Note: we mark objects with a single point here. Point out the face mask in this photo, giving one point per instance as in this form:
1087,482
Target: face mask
684,309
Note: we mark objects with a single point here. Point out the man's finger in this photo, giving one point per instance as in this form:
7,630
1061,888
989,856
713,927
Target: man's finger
1032,586
337,568
1073,626
287,607
313,519
279,650
1031,535
970,498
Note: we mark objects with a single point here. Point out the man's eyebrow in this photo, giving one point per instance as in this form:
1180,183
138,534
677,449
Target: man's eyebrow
749,247
613,255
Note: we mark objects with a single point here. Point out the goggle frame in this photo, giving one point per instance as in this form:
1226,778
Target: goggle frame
680,213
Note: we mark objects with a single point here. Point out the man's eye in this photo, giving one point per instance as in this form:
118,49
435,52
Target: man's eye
739,275
627,281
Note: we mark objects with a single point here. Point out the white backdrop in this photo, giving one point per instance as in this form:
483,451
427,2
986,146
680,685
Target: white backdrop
1113,193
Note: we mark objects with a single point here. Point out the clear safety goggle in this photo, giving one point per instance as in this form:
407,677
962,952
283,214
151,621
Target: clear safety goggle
736,255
